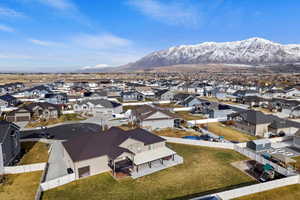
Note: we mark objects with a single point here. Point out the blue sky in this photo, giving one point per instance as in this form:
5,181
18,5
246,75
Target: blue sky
65,35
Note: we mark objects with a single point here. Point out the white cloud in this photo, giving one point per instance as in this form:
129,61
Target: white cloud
6,28
59,4
104,41
14,56
8,12
170,13
99,66
43,42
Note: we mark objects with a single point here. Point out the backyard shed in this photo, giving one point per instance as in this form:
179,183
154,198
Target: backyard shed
259,145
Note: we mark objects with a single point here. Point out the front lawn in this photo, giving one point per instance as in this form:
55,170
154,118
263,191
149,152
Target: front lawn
63,118
35,152
229,133
170,132
20,186
205,170
291,192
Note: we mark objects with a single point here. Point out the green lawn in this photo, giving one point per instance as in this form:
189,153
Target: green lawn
229,133
291,192
20,186
35,152
205,170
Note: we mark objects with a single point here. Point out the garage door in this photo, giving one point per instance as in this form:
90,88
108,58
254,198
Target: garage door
22,119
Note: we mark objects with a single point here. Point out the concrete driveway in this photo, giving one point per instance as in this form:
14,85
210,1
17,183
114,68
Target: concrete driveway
57,166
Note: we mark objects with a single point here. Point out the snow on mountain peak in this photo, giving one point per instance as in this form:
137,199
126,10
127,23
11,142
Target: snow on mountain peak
252,51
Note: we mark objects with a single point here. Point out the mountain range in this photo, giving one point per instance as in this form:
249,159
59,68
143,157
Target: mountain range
250,52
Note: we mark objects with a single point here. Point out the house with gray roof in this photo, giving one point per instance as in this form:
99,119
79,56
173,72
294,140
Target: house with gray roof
151,117
98,106
134,153
9,143
259,124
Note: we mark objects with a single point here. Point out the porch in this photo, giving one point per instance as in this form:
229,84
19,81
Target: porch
156,165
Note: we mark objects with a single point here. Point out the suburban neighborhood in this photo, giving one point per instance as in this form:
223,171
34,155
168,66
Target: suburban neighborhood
128,133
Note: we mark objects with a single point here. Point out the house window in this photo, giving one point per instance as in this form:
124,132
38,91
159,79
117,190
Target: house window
84,171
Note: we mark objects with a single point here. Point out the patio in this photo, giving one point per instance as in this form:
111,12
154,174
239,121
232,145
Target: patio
156,166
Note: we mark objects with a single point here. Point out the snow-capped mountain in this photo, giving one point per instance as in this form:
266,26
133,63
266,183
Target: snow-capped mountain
253,51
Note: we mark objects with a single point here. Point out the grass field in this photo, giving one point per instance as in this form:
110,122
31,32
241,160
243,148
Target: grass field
229,133
186,115
20,186
205,170
169,132
291,192
35,152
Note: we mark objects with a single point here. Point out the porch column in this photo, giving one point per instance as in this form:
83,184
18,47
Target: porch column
114,167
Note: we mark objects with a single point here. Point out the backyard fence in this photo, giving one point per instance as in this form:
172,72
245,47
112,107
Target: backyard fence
24,168
57,182
261,187
200,143
204,121
182,109
262,160
39,191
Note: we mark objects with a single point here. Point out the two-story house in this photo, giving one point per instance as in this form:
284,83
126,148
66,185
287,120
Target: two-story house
135,153
9,143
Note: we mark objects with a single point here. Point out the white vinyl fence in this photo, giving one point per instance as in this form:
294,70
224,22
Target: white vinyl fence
204,121
145,103
24,168
182,109
57,182
200,143
261,187
262,160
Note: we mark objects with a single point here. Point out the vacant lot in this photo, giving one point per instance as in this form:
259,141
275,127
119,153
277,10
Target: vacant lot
35,152
20,186
291,192
229,133
205,170
170,132
186,115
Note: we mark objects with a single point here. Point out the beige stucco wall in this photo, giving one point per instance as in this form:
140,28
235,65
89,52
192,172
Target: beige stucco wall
97,165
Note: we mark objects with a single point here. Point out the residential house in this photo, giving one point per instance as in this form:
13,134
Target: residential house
164,95
56,98
8,101
134,153
9,143
34,111
98,106
253,122
258,124
150,117
95,95
132,96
